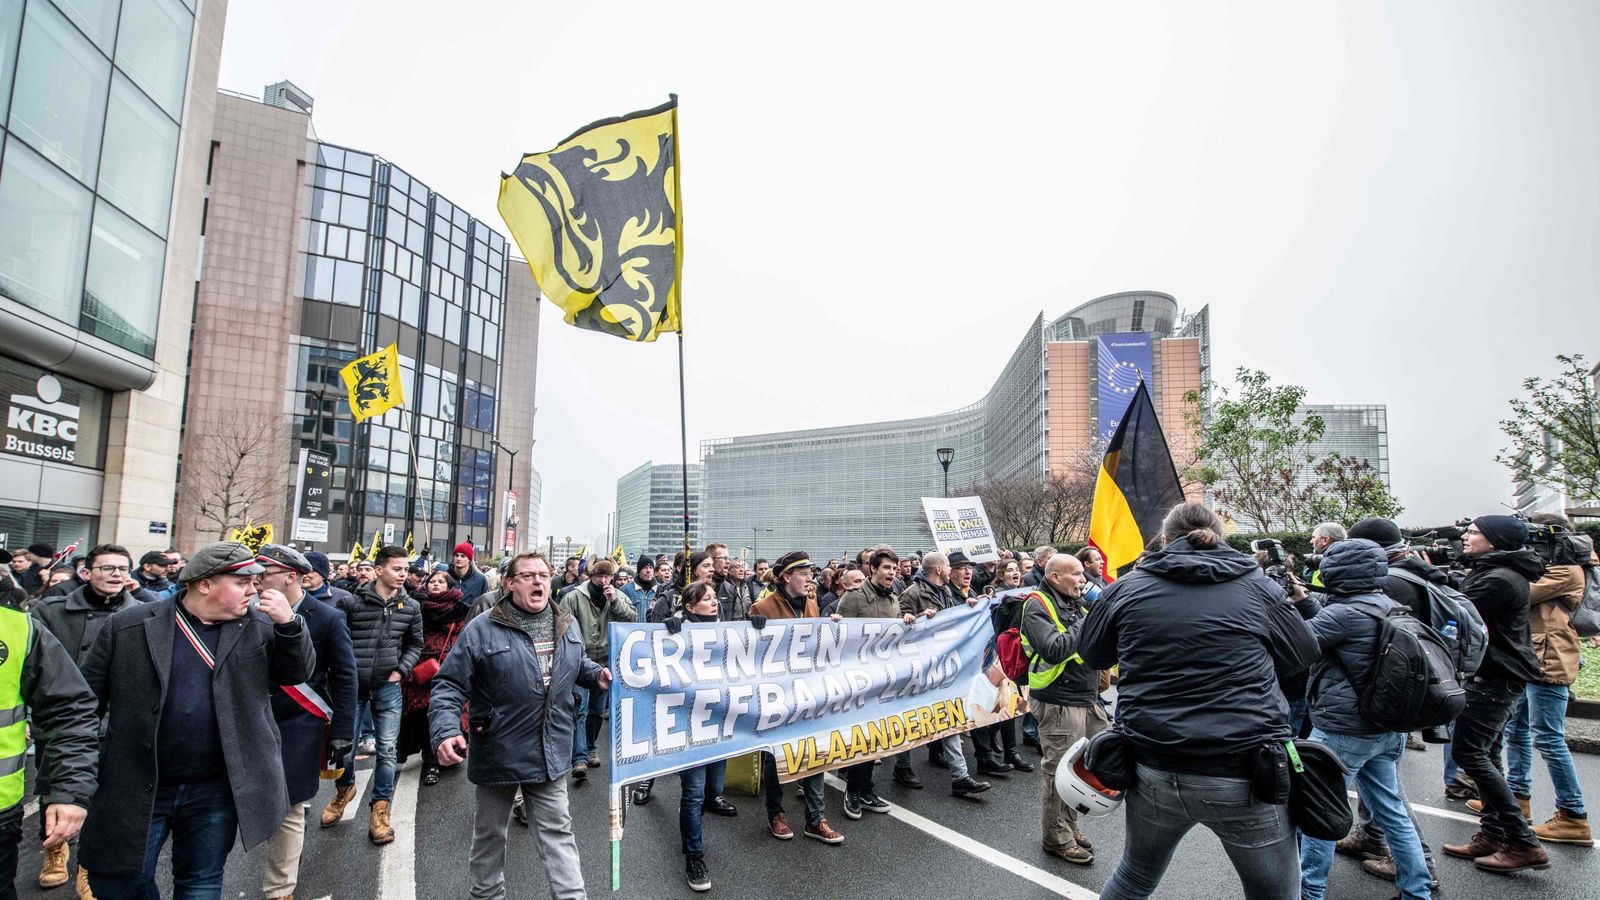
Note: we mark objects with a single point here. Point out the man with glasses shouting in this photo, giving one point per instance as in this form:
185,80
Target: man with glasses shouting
75,620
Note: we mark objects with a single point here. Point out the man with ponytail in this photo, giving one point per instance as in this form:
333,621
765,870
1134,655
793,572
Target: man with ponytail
1200,636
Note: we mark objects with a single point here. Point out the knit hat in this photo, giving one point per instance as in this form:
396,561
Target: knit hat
319,564
1503,532
645,561
465,549
42,549
1383,532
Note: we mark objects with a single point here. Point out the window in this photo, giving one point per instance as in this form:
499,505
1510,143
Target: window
10,31
141,151
348,282
153,48
44,233
58,104
122,298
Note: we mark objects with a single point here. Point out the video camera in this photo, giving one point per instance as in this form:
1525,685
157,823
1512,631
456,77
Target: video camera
1558,546
1442,545
1277,567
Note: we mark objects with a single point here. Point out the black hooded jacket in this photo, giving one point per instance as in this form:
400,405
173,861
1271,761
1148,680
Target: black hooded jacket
1201,637
1498,587
1410,594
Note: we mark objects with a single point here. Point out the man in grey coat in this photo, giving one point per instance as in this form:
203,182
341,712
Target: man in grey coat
517,666
190,747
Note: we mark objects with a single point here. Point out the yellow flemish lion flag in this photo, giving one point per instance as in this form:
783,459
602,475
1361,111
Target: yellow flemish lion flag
619,557
1137,485
357,553
253,536
599,221
374,383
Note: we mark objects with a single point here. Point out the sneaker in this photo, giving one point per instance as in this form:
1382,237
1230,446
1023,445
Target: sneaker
874,803
1358,846
699,875
1565,828
823,833
967,787
1384,868
1413,743
1078,856
778,827
641,794
430,774
366,748
852,807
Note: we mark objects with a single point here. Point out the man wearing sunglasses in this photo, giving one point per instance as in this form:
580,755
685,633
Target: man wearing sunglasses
1503,571
75,620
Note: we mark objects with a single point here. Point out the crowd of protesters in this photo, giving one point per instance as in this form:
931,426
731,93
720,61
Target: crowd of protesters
506,671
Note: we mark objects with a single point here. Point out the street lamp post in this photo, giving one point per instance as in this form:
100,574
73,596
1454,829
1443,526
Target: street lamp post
755,551
946,455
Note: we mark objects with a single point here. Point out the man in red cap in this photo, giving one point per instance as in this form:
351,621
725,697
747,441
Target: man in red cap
472,584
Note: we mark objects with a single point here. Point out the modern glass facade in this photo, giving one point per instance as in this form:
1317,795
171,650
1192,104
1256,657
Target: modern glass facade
650,509
91,101
388,260
832,491
1356,431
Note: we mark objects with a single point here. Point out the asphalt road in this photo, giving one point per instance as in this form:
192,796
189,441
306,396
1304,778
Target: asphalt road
932,845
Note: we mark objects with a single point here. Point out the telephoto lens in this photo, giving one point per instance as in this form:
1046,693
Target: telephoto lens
1438,734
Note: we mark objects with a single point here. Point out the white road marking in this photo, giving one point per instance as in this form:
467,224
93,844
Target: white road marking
355,808
999,859
31,810
397,871
1467,817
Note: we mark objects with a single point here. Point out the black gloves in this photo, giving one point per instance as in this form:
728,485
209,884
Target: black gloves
674,624
337,751
758,622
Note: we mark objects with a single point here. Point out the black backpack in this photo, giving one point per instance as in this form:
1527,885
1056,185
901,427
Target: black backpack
1413,675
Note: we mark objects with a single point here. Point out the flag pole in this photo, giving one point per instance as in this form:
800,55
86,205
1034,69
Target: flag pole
683,433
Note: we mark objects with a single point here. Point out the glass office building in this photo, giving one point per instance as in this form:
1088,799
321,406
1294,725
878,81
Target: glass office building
95,104
649,512
832,491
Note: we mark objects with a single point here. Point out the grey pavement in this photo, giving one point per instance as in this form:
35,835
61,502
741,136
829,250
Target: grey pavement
881,854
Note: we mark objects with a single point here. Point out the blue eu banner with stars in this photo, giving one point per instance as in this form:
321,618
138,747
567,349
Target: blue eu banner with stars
1124,360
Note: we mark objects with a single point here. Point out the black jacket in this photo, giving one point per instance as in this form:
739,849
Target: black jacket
1408,594
77,618
1077,685
1498,587
334,679
387,636
61,719
1354,573
1201,637
128,668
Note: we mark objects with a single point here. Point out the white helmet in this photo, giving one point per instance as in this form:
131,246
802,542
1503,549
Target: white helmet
1078,788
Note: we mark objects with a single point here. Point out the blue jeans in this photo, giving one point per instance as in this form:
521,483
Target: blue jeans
384,705
1373,761
580,710
1540,720
1163,806
203,824
691,809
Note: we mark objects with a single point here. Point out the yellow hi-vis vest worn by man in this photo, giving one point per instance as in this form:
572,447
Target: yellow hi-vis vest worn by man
1044,677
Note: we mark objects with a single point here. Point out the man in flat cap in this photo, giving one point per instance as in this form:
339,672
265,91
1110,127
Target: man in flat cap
189,749
317,719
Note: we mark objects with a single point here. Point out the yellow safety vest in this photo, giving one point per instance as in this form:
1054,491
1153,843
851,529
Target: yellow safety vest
15,630
1037,678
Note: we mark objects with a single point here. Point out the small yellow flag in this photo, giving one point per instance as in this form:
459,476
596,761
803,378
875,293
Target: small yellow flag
411,548
377,544
374,383
619,557
253,536
357,553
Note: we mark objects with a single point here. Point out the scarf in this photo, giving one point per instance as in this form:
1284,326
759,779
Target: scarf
443,609
696,617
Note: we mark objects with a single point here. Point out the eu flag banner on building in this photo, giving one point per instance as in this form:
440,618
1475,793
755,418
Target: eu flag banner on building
818,695
374,383
599,221
1124,361
1136,486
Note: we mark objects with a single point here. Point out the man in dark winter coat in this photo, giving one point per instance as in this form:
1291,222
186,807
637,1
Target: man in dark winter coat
317,719
1353,574
319,583
152,575
469,581
386,631
189,742
1498,585
75,620
516,666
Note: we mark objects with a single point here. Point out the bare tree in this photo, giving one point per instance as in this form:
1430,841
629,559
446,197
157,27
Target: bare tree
237,472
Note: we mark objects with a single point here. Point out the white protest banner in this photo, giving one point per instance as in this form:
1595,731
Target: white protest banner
959,523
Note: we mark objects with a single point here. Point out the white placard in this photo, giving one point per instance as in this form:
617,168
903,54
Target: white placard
960,523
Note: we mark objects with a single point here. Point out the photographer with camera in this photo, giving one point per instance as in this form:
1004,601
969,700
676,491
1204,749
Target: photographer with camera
1502,571
1539,718
1323,536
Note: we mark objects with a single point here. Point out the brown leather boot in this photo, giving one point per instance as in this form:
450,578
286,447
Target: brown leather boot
1526,804
378,828
1565,828
334,811
1514,859
1480,845
53,867
83,885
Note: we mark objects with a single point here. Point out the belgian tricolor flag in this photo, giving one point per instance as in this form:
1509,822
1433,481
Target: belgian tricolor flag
1137,485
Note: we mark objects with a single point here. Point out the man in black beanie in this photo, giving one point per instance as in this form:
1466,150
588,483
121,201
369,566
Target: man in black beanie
1502,571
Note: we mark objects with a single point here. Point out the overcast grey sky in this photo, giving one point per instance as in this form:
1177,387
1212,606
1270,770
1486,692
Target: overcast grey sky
1386,203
